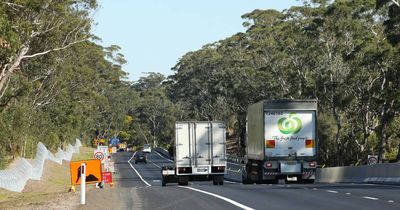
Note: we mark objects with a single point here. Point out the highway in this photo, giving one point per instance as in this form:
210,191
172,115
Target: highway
145,181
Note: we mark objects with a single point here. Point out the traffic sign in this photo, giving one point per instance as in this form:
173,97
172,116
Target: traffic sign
107,177
93,171
372,159
104,149
99,155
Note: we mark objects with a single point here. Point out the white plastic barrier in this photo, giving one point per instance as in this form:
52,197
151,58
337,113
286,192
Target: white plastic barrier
15,178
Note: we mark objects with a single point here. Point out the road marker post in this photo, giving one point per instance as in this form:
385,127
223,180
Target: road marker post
83,183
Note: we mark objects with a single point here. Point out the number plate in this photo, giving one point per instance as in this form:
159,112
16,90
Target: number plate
168,172
202,170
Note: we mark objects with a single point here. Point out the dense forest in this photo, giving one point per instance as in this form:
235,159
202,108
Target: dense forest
57,83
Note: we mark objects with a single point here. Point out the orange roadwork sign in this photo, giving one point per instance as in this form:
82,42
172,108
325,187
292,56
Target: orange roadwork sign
93,171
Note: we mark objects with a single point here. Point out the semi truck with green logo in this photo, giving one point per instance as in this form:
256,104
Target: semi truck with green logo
281,141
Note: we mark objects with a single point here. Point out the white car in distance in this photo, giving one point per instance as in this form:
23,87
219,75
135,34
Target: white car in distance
147,148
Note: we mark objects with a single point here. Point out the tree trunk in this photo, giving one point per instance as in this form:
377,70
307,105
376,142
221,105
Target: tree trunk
8,71
398,153
337,137
382,134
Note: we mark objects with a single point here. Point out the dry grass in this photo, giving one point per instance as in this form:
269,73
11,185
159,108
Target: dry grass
54,185
86,153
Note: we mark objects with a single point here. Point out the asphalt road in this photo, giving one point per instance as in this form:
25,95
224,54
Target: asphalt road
140,188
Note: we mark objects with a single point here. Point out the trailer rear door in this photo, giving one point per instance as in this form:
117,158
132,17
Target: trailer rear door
218,144
183,145
202,134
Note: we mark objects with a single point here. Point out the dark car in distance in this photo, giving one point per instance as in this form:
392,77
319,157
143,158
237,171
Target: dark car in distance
140,157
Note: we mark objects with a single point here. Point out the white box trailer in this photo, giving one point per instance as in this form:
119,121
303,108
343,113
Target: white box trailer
281,141
200,153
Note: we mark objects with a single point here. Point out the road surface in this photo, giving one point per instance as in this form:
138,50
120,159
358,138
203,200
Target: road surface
139,187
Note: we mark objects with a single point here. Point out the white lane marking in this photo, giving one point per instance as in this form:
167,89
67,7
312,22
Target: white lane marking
390,201
157,180
163,157
348,193
371,198
137,171
220,197
231,182
332,191
368,184
154,164
314,189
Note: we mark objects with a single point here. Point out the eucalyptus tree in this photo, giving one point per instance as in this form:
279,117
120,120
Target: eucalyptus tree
32,28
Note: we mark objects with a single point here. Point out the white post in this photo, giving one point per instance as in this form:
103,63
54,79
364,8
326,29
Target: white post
83,183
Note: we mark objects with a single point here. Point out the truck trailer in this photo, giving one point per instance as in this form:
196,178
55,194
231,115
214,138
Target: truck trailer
281,141
200,153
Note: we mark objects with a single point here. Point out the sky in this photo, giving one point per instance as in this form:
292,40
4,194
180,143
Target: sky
155,34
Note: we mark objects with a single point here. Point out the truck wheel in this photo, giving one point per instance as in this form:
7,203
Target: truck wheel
183,181
164,181
245,178
221,182
215,181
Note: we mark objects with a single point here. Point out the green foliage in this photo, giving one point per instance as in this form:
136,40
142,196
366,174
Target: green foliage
58,85
334,51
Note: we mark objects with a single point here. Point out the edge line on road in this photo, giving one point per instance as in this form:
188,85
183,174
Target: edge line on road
220,197
163,157
144,181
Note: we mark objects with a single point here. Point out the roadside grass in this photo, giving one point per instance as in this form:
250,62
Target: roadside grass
86,153
55,181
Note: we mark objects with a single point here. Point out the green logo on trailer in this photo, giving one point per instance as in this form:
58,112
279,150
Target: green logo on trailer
291,125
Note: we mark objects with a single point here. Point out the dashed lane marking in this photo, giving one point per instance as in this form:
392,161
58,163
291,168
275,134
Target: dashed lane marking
370,198
144,181
231,182
154,163
332,191
220,197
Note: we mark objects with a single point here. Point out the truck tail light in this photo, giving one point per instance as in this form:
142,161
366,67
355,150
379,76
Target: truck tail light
309,143
270,143
185,170
217,169
312,164
268,165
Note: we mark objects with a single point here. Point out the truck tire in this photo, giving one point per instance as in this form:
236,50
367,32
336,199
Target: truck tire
183,181
164,181
245,175
215,182
221,182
